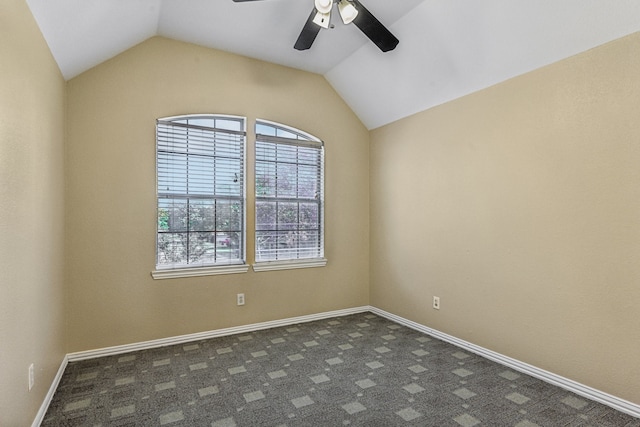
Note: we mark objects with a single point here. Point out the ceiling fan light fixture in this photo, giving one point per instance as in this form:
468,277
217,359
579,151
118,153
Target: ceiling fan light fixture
322,19
323,15
348,11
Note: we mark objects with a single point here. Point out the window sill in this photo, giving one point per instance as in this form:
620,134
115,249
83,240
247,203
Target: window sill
289,265
174,273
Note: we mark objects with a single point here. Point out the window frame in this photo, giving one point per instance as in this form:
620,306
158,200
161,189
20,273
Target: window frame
204,269
302,139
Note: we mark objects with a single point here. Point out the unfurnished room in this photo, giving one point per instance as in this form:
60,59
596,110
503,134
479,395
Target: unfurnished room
319,213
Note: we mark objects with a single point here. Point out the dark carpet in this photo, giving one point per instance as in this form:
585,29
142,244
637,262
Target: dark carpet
358,370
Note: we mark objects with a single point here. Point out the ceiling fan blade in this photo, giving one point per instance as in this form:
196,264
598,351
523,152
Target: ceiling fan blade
308,33
374,29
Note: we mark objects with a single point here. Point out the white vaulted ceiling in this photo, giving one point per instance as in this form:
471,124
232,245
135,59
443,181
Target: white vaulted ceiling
448,48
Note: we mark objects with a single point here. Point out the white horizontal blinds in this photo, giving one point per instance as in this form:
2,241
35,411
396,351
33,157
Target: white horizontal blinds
200,176
289,194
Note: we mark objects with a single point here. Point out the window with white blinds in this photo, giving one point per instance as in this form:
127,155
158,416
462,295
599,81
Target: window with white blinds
289,182
201,192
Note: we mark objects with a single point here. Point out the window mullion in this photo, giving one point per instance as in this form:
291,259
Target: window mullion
188,183
298,229
276,193
188,233
215,229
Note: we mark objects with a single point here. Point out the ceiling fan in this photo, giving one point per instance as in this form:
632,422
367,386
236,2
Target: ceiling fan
350,11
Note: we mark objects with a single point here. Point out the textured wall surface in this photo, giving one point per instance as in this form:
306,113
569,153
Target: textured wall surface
31,215
518,206
111,207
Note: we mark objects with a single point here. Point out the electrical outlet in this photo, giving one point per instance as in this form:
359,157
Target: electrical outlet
436,303
32,378
240,299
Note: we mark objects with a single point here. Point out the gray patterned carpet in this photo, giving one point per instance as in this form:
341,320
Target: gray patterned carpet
359,370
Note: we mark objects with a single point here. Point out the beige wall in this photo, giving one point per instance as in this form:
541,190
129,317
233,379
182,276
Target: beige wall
31,214
519,206
111,195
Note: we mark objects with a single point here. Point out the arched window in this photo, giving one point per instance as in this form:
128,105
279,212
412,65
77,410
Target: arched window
289,181
200,194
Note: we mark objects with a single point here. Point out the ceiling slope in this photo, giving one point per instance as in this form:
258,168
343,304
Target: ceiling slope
84,33
447,48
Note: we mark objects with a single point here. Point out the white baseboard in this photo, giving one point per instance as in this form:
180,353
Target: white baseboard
182,339
47,399
557,380
549,377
